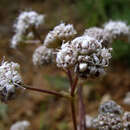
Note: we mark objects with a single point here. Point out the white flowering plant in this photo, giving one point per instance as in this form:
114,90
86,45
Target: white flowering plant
80,57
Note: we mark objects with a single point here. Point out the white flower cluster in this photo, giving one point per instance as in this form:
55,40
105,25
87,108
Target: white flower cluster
61,32
42,56
67,56
111,117
86,55
20,125
9,75
25,22
117,28
99,34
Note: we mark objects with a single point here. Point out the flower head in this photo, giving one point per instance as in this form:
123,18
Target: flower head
25,21
86,55
117,28
61,32
92,57
42,56
9,76
109,117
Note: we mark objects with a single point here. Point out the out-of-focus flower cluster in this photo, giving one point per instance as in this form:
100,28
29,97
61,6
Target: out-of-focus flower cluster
9,76
23,26
61,32
42,56
111,117
20,125
118,29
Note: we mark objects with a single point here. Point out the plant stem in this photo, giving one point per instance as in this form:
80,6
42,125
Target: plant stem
74,86
69,76
72,102
41,90
73,114
82,125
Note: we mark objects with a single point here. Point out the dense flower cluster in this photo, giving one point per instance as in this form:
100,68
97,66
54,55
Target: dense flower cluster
25,22
42,56
111,117
86,55
100,34
20,125
9,75
61,32
117,28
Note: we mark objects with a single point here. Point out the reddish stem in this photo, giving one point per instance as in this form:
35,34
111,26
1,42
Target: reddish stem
70,76
74,86
73,114
41,90
82,125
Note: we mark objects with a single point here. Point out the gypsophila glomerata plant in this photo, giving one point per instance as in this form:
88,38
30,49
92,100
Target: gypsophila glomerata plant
80,57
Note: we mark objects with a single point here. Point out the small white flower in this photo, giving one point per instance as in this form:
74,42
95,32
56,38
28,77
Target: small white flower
20,125
9,75
66,56
27,20
82,67
42,55
117,28
61,32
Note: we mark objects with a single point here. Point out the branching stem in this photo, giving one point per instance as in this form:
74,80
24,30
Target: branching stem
41,90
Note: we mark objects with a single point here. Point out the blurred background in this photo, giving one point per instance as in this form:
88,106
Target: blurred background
51,113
